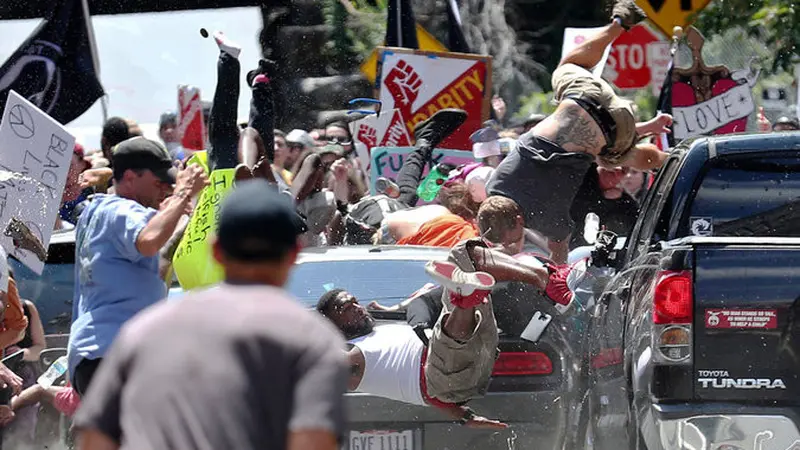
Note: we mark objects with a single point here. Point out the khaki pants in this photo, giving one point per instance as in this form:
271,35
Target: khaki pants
457,371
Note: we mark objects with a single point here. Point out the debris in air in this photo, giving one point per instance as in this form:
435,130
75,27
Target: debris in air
203,32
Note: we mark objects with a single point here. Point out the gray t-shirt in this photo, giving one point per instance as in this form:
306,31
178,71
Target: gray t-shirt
543,179
235,367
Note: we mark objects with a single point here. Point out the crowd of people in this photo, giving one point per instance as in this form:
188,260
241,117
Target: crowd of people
189,374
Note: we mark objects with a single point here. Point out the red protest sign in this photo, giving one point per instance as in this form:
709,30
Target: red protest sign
418,84
190,118
637,57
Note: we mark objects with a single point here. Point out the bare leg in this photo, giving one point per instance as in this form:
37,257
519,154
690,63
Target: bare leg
589,53
309,178
460,324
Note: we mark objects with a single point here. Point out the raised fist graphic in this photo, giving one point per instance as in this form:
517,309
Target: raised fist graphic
367,135
404,84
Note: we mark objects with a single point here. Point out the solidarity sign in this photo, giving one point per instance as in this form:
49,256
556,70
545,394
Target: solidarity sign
413,85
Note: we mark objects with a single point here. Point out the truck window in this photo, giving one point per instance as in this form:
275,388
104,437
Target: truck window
743,196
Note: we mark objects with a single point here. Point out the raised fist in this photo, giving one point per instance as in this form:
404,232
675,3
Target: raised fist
404,84
367,135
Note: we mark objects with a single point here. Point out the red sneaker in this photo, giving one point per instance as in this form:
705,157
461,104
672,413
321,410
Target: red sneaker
557,289
467,289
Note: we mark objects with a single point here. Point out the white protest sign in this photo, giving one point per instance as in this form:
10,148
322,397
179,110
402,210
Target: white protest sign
37,151
573,37
386,130
733,104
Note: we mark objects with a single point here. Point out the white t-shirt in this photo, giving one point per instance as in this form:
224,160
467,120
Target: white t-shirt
392,357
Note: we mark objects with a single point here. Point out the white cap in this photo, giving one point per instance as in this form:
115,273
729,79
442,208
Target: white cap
486,149
300,137
476,182
3,270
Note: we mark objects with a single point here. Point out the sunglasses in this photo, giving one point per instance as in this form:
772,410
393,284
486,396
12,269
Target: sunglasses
339,140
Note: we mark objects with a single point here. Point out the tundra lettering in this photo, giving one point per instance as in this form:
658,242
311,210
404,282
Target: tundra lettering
741,383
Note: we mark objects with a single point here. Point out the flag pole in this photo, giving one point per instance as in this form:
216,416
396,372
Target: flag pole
95,59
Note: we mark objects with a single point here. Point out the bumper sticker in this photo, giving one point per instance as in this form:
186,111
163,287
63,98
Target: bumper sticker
742,318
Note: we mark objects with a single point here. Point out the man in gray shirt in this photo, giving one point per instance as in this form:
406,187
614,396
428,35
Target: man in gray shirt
239,366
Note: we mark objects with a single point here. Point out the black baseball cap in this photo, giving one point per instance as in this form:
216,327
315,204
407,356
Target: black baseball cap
258,223
141,153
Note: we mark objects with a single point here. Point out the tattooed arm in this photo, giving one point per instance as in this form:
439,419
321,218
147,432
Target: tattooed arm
573,129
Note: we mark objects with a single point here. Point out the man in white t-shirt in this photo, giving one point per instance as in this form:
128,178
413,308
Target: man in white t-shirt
389,360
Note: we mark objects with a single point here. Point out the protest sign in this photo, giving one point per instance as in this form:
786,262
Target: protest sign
710,99
415,84
191,127
573,37
386,130
35,152
387,161
193,262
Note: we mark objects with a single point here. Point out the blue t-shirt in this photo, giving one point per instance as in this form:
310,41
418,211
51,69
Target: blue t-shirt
113,281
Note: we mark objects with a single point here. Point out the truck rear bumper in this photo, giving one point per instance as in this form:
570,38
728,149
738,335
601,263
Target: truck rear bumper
731,427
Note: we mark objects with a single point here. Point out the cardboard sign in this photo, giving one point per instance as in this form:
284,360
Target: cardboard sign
384,131
416,84
35,152
191,128
573,37
387,161
742,318
193,262
710,100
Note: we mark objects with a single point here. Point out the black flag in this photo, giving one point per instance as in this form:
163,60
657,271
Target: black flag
55,67
401,26
455,33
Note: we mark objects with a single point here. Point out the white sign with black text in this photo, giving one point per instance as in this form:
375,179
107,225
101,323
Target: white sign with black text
35,155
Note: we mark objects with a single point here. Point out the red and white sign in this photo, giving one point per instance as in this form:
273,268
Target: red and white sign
388,130
191,128
742,318
638,59
416,84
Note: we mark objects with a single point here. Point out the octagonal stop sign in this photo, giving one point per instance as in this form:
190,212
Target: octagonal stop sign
634,56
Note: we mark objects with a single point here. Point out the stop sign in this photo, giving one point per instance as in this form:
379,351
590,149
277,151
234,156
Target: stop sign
632,57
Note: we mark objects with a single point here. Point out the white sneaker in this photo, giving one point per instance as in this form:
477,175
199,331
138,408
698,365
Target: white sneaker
456,280
226,45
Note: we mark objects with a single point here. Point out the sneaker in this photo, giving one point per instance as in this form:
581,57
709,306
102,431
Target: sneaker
226,45
387,187
467,289
557,289
436,128
628,12
265,67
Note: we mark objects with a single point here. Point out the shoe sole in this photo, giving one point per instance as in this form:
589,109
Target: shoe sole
442,272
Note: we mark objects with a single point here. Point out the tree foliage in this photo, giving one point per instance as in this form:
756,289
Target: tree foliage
776,23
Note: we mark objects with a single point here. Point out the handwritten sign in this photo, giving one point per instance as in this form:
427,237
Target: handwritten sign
386,130
417,84
387,161
35,152
193,262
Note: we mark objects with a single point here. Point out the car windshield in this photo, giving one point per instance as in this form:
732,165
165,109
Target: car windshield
386,281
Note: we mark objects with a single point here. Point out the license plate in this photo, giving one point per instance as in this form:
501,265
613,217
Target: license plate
381,440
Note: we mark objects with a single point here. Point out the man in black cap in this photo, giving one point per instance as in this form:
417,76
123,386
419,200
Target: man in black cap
117,241
264,372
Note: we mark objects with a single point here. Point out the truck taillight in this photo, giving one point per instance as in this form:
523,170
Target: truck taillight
672,302
673,306
522,363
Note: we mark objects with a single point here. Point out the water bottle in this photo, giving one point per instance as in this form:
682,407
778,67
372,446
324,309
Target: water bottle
54,372
591,228
431,185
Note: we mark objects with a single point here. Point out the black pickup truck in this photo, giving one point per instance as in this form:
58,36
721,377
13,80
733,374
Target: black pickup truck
693,344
